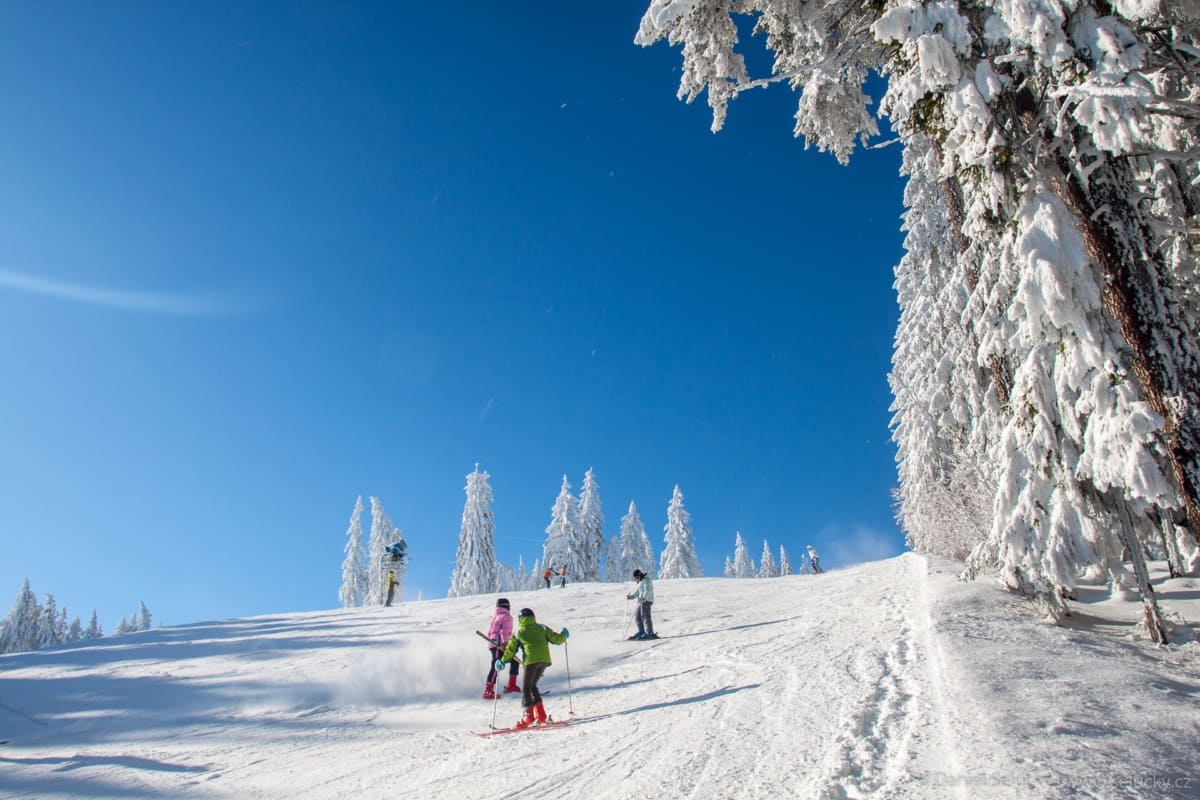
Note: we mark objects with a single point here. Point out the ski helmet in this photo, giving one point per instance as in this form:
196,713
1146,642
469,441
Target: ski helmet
502,602
526,612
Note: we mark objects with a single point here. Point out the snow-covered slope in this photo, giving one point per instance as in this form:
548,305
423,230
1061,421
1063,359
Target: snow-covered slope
887,680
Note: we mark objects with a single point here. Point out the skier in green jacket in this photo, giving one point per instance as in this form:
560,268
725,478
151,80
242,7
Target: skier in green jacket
536,638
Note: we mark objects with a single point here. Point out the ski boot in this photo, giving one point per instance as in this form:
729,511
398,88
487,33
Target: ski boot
489,691
539,711
512,685
528,719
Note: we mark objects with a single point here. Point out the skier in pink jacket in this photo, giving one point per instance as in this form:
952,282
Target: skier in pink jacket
500,630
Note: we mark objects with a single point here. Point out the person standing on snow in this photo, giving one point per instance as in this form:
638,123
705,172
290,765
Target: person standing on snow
814,559
547,575
562,576
391,587
644,594
536,638
500,630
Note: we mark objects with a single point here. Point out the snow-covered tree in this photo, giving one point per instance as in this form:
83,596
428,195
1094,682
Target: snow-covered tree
591,528
679,559
475,566
75,630
47,625
123,627
766,565
94,630
614,567
636,550
1050,319
743,565
563,540
383,534
143,617
18,632
729,572
354,566
785,566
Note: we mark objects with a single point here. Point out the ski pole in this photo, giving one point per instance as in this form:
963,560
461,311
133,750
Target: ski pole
625,630
567,657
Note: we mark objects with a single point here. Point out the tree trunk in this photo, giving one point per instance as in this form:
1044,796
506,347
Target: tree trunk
1124,297
1155,626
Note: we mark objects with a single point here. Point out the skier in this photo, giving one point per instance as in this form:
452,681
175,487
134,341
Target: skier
500,630
391,586
816,561
547,575
536,638
644,594
562,576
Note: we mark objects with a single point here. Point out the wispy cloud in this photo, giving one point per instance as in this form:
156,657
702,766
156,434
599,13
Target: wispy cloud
170,303
486,409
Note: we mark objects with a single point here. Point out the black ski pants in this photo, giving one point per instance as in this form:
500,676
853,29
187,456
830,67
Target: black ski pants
496,652
530,696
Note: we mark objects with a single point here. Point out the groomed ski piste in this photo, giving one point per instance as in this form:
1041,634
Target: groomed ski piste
892,679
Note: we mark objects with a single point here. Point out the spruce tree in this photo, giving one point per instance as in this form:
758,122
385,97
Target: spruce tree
636,550
354,569
475,570
679,559
766,565
94,630
591,528
614,567
562,534
743,565
1050,317
785,566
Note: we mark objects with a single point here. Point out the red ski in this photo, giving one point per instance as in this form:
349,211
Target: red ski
542,727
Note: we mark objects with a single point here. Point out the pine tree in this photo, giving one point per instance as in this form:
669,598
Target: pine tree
19,631
614,566
123,627
729,569
47,625
766,567
636,550
743,565
75,631
591,528
785,566
354,574
1050,320
143,617
562,534
679,559
475,566
94,631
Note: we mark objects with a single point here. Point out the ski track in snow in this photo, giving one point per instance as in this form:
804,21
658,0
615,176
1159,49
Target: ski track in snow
887,680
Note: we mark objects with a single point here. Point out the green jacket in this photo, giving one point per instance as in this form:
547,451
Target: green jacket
537,639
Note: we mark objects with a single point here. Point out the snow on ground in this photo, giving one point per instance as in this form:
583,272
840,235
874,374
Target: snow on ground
887,680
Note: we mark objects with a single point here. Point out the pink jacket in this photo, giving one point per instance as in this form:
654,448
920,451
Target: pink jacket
500,629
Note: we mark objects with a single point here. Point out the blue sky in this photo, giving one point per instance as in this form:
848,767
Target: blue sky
258,259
